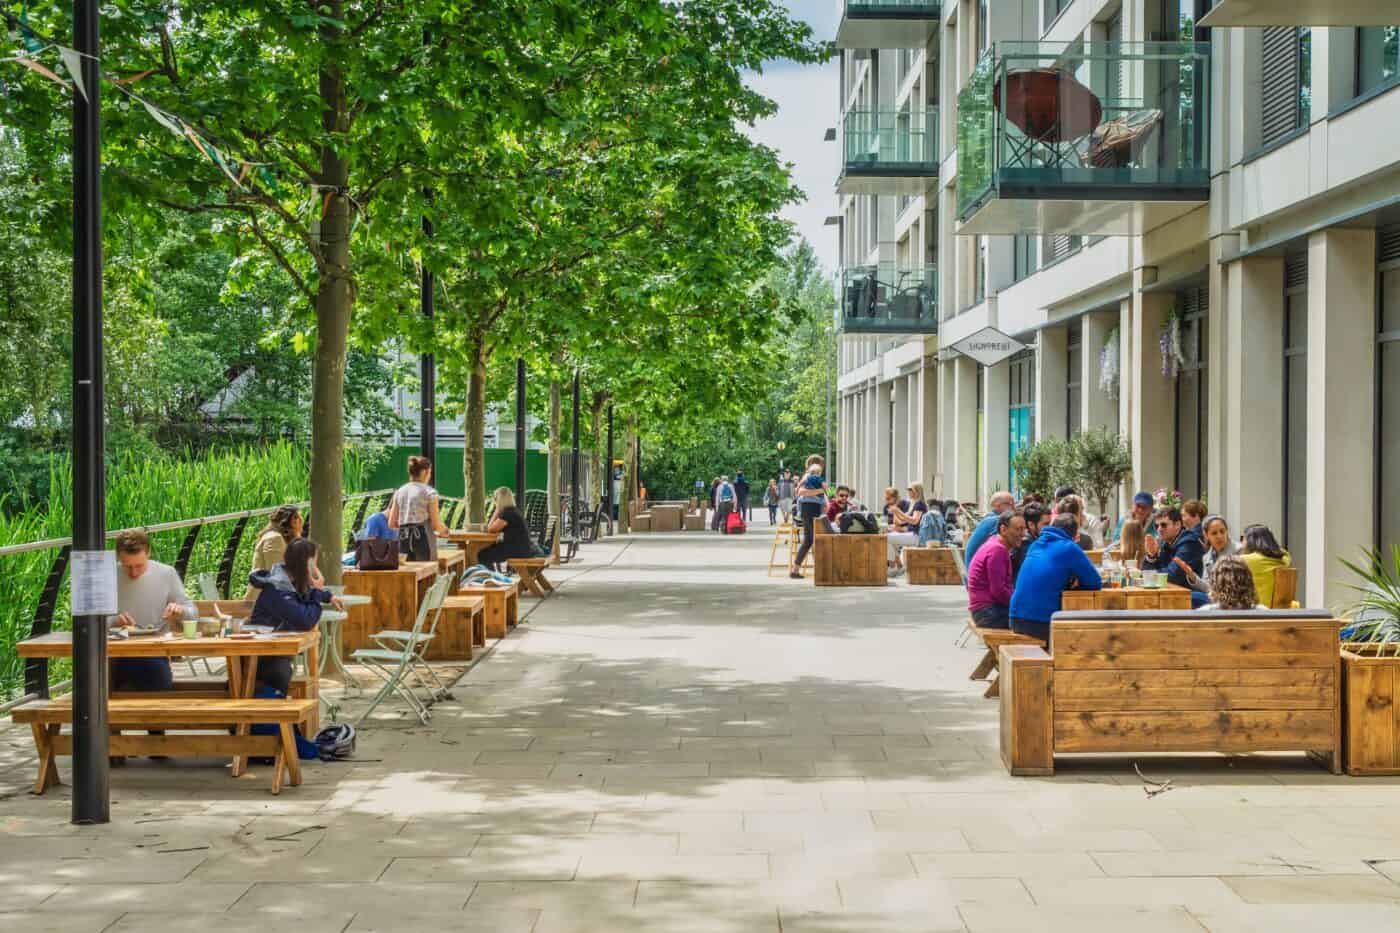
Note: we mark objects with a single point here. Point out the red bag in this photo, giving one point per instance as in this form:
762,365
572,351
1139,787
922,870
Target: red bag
734,524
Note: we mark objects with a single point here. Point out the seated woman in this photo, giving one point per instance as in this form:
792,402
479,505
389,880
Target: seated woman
933,528
288,601
507,522
283,527
1073,505
904,517
1132,546
1232,587
1262,554
1218,545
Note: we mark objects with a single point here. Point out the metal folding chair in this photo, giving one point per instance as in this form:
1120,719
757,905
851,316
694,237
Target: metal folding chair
401,654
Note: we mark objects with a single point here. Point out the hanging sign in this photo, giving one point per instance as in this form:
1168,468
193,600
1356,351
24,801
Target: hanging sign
94,576
988,346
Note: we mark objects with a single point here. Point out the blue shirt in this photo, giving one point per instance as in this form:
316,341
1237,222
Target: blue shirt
378,527
984,530
1052,561
809,489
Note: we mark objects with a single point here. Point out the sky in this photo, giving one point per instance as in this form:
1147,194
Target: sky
806,98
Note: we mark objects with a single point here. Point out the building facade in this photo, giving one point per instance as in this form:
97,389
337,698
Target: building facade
1192,224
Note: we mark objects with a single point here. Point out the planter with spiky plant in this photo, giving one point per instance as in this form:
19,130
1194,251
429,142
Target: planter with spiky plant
1371,666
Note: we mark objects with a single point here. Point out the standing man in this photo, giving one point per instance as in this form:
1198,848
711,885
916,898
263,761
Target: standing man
989,582
725,500
785,494
149,595
741,489
1001,502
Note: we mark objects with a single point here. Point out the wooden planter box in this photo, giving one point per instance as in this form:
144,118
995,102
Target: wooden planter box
850,560
666,517
641,522
1370,712
695,522
932,566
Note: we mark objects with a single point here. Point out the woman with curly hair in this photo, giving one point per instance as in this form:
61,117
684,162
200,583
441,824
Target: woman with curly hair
1232,586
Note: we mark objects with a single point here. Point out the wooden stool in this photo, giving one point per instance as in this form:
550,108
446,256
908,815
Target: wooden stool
783,533
932,566
531,573
500,612
993,639
463,621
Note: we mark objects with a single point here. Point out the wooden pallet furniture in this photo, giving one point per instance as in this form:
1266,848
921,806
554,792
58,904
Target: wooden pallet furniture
849,560
1129,683
463,620
1371,709
500,612
989,667
1285,587
932,566
694,522
1127,598
667,517
641,522
452,560
213,716
530,570
394,599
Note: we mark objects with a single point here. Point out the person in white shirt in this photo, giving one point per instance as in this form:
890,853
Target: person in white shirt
149,595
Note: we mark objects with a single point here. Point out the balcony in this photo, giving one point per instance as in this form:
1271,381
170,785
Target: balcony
887,24
1300,13
889,152
1097,138
888,301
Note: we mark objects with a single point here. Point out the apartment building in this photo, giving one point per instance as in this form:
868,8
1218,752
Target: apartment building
1188,213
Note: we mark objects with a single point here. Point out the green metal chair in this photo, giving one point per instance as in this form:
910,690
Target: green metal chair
401,654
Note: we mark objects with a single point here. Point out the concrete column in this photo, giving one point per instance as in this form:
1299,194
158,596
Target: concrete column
1097,409
1051,382
964,430
996,396
1221,415
1126,388
899,432
928,433
1251,381
1341,405
883,394
1152,406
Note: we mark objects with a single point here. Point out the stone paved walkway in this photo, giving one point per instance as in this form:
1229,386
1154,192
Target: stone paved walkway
676,742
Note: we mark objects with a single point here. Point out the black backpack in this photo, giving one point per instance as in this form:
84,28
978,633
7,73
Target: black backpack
859,523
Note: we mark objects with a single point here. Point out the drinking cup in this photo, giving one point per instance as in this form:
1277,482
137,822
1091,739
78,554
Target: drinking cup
191,628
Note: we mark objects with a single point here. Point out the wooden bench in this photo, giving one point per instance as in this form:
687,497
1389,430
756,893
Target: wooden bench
993,639
531,573
849,559
641,522
205,688
461,626
501,610
932,566
694,522
1167,681
47,717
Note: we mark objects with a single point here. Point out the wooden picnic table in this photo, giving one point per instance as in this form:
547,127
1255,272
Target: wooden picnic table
240,654
452,560
472,543
1169,596
396,594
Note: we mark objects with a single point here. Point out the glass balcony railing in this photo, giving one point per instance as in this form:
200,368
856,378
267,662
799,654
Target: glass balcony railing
887,24
888,299
1293,13
888,151
1086,123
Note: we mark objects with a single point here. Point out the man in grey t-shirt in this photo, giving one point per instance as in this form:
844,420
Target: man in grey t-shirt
149,594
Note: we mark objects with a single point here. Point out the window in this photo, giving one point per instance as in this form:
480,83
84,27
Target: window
1024,260
1287,82
1377,57
1074,357
984,26
1053,8
1388,391
1055,248
1021,411
1193,306
979,272
1295,408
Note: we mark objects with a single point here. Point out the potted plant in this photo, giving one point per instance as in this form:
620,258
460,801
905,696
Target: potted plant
1371,666
1040,467
1098,463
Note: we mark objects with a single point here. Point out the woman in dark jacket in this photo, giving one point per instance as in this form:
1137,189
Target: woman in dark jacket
288,602
507,522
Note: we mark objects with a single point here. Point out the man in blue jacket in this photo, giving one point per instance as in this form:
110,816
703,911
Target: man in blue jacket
1001,502
1175,548
1054,563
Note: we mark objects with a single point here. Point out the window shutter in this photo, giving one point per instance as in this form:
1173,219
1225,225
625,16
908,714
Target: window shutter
1279,115
1388,244
1295,270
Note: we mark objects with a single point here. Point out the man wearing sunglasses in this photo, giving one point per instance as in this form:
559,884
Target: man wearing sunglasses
1175,548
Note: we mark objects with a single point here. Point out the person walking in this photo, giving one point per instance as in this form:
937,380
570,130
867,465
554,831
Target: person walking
811,500
785,487
770,499
725,501
741,491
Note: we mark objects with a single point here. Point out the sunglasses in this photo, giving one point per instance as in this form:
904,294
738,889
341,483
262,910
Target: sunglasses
1164,524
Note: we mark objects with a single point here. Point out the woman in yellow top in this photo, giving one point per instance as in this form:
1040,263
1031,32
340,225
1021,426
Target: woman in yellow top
1263,555
283,527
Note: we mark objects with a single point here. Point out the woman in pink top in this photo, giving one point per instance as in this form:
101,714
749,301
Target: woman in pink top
989,579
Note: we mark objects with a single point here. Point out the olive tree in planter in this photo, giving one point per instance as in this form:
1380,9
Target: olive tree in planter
1098,463
1040,467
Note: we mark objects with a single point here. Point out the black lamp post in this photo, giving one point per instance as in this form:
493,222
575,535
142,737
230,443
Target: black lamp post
574,473
520,416
427,391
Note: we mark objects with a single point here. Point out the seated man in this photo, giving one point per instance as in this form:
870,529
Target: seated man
1141,513
149,594
1037,520
1001,501
1175,549
989,585
838,504
1054,563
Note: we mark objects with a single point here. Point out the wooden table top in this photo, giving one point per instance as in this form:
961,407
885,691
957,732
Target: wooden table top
285,644
418,569
464,535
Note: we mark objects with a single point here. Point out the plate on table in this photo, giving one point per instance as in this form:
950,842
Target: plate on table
136,632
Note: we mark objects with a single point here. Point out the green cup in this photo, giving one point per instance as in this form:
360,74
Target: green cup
191,628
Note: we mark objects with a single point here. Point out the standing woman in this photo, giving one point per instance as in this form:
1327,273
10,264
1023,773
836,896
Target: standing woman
811,500
282,528
414,512
770,499
507,522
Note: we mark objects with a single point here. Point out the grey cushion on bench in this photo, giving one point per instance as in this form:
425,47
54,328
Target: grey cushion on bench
1148,615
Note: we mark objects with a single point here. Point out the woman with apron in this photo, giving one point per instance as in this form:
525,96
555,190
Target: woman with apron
414,512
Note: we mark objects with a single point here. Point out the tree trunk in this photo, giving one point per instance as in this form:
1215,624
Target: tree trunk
556,471
595,459
474,431
629,476
334,305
